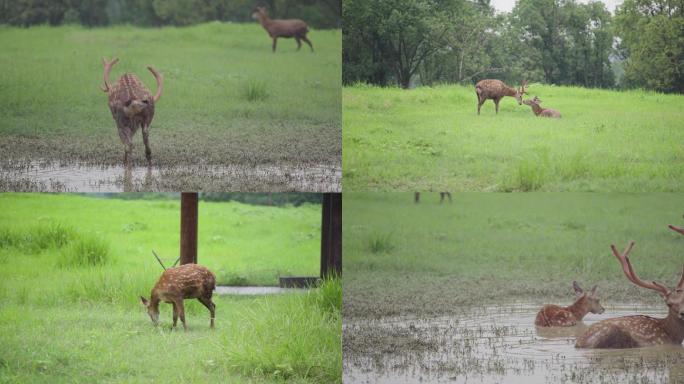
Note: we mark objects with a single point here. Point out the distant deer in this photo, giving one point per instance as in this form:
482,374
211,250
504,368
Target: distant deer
496,90
539,111
282,28
132,106
639,331
442,195
556,316
188,281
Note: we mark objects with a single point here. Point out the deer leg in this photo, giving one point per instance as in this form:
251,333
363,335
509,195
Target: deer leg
299,43
449,196
146,140
125,136
175,314
441,197
479,103
181,313
275,40
308,42
496,104
210,306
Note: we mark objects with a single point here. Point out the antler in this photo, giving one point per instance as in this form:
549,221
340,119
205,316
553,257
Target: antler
523,87
631,276
107,68
160,83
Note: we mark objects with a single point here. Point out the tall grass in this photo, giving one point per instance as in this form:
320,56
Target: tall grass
36,238
88,250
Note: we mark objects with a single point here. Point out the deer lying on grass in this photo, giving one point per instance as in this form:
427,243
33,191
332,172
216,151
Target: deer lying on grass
539,111
496,90
132,106
188,281
556,316
639,331
282,28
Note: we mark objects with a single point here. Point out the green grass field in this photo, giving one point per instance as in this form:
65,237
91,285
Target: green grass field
75,266
227,99
433,139
403,258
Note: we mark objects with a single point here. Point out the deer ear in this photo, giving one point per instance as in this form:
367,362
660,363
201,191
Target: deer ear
144,301
577,288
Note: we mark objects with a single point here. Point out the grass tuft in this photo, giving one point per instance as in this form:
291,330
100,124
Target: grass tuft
255,90
380,243
87,250
37,238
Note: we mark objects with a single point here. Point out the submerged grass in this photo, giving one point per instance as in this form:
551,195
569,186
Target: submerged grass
433,139
89,315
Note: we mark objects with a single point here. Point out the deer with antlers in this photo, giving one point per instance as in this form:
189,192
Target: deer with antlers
132,106
496,90
537,109
639,331
556,316
282,28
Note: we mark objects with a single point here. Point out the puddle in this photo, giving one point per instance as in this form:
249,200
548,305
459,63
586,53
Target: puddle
225,290
496,344
45,176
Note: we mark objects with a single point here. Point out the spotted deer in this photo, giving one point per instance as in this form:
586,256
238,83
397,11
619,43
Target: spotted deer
188,281
282,28
496,90
539,111
556,316
132,106
639,331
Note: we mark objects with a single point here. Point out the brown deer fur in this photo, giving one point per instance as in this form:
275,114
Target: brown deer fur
556,316
539,111
639,331
188,281
496,90
282,28
132,106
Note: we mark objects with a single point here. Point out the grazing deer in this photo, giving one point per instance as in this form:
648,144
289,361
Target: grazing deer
556,316
442,195
282,28
539,111
496,90
188,281
132,107
639,331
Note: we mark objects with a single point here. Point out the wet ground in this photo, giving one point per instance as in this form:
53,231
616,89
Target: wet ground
44,176
250,291
497,344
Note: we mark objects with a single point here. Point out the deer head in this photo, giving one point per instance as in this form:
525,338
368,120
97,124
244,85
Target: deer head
591,299
673,299
135,103
258,13
521,91
152,310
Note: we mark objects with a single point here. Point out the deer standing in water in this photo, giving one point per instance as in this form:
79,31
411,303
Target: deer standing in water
539,111
496,90
639,331
556,316
282,28
132,106
188,281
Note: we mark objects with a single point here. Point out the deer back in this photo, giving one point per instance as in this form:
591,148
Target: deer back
186,281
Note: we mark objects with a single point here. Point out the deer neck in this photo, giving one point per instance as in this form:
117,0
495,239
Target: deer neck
579,308
508,91
536,109
154,300
264,20
674,326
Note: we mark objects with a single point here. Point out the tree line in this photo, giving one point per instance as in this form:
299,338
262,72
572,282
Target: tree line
95,13
563,42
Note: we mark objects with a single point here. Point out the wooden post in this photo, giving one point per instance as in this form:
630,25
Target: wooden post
188,228
331,235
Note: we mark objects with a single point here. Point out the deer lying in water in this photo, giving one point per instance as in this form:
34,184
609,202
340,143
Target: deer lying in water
496,90
639,331
539,111
132,107
556,316
188,281
282,28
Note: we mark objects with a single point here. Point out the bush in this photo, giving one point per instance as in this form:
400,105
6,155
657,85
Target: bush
88,250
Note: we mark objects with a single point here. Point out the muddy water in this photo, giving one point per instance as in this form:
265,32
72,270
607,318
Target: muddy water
498,344
47,176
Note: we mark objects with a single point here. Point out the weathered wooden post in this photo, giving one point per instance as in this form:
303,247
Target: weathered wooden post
188,235
331,235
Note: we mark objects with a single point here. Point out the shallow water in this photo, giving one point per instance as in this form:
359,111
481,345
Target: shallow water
46,176
497,344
